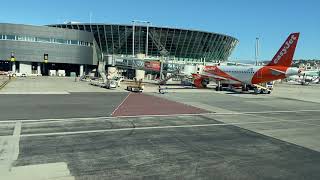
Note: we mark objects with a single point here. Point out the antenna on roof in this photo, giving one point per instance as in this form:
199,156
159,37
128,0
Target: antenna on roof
257,51
90,15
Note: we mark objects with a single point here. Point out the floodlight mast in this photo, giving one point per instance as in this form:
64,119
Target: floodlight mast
257,51
134,22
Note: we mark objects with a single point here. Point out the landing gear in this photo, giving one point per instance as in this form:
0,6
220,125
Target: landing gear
205,83
265,91
219,87
258,90
245,88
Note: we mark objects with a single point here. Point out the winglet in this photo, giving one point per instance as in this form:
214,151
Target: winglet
285,54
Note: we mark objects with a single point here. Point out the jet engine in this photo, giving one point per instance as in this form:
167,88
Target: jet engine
200,81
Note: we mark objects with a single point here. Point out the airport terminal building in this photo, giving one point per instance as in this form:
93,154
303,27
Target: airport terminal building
78,48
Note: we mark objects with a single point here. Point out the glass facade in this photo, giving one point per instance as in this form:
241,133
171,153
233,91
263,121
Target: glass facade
180,44
10,37
61,41
43,40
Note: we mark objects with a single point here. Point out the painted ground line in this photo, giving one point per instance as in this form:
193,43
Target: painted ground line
165,115
155,127
120,104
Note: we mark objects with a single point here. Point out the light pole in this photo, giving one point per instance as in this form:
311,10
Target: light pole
90,16
147,38
257,51
133,26
147,35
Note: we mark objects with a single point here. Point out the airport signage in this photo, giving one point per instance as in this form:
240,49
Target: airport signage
152,65
12,58
45,58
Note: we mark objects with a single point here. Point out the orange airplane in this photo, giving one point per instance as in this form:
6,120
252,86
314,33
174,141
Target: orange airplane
250,76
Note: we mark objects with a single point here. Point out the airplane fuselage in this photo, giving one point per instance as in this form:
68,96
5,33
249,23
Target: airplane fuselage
277,68
249,74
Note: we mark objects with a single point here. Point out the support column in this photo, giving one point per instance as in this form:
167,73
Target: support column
81,70
112,72
39,68
13,69
140,74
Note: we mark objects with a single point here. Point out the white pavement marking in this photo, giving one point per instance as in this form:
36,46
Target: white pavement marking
120,104
310,124
9,149
166,115
97,118
157,127
266,112
16,135
50,171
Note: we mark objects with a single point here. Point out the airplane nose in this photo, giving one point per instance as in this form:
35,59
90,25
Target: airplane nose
301,71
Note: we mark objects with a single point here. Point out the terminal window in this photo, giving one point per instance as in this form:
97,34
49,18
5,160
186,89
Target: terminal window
11,37
44,40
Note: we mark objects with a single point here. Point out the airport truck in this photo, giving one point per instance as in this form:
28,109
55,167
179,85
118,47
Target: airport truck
263,88
136,86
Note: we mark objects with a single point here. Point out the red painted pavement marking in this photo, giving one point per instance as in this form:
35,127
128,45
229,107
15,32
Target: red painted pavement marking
141,104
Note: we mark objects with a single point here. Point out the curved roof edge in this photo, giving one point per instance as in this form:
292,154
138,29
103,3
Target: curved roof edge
40,26
197,30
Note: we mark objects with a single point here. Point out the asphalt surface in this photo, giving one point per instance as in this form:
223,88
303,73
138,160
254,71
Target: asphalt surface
236,102
244,137
163,148
137,104
45,106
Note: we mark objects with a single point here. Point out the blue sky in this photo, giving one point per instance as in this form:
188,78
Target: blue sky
270,20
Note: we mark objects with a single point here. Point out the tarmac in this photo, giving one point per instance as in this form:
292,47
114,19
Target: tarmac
49,85
194,134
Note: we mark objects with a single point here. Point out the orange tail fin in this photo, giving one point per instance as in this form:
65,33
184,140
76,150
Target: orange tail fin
285,54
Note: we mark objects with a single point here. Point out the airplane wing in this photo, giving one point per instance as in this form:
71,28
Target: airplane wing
276,71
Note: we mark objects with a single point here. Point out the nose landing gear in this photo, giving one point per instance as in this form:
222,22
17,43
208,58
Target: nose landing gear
219,86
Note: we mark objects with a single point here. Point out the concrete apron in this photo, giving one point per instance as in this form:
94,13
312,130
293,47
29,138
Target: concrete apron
9,152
